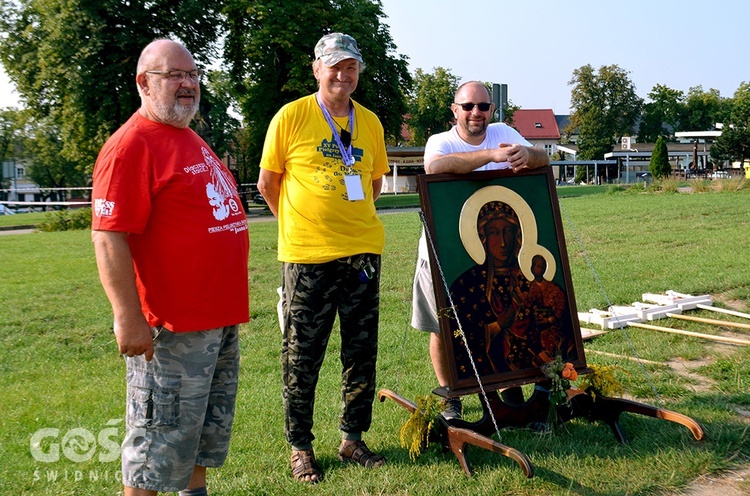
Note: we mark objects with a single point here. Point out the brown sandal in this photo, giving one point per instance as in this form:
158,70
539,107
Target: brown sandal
304,467
357,452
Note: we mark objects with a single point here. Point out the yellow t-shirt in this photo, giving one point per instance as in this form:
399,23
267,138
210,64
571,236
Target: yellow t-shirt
317,222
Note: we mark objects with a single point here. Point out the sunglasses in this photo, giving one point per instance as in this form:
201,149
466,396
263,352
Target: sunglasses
468,107
346,138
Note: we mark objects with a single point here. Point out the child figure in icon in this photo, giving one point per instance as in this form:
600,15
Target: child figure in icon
510,322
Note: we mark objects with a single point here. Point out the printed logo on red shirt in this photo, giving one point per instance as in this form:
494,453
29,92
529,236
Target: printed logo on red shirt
221,190
103,207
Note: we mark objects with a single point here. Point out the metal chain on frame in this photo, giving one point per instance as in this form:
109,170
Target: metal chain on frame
462,335
609,303
460,328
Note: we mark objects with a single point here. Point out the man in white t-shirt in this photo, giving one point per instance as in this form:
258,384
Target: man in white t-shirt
473,144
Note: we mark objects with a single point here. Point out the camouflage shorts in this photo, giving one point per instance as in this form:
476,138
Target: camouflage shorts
313,295
180,407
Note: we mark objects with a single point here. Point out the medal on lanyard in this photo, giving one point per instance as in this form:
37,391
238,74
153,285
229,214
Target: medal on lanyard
353,182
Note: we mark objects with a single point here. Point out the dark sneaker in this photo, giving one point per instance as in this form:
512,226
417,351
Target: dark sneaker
539,427
452,408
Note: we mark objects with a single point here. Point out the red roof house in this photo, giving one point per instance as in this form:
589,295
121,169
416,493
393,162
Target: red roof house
539,127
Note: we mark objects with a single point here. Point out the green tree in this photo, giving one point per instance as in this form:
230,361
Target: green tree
215,121
605,107
11,127
663,115
430,104
703,109
734,142
73,61
11,142
732,146
740,106
48,166
659,165
510,111
269,50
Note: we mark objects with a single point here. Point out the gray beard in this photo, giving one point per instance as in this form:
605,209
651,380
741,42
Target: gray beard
176,115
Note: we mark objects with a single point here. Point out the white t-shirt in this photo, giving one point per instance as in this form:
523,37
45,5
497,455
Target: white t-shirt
450,142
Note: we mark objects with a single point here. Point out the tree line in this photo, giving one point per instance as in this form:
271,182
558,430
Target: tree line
73,63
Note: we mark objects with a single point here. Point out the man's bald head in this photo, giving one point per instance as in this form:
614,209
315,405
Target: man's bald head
157,51
471,85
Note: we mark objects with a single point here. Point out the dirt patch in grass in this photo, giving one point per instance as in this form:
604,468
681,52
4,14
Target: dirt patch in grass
686,368
730,302
734,482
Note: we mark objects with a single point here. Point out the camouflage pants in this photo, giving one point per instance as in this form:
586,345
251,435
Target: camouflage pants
180,407
312,295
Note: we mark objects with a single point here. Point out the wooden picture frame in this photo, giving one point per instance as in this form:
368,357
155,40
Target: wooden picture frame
514,318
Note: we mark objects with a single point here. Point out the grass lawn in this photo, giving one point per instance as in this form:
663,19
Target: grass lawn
385,201
63,382
24,219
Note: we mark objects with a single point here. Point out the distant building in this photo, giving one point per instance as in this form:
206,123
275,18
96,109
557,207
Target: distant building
405,163
627,163
19,193
16,186
539,127
688,160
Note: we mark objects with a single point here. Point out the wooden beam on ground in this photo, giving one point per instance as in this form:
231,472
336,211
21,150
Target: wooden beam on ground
724,310
689,333
632,359
702,320
591,333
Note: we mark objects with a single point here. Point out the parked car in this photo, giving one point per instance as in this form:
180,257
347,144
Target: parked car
4,210
259,200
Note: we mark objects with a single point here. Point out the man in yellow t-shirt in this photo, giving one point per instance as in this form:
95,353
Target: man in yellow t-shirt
321,171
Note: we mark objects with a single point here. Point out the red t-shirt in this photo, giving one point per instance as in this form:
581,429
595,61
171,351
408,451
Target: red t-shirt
188,232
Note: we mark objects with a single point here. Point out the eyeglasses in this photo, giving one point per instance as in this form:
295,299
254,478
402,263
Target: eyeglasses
468,107
179,76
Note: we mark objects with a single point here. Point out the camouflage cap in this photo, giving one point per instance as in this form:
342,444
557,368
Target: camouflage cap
335,47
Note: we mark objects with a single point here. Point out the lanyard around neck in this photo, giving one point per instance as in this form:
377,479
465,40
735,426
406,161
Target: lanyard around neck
346,151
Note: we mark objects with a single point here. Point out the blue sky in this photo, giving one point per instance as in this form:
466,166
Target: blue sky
533,46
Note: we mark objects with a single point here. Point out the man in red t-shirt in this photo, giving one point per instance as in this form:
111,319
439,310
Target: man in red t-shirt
171,244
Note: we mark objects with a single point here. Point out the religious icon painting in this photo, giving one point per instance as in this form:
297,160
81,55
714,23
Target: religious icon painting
501,276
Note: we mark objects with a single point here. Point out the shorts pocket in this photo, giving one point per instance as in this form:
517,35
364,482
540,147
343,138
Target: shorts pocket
153,400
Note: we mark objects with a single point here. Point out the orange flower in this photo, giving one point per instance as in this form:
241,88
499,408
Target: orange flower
568,372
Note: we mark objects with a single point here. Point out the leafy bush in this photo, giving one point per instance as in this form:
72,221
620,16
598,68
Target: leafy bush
66,220
668,185
731,184
616,188
636,188
700,185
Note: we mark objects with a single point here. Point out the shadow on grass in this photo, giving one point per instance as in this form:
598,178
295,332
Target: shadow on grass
564,459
